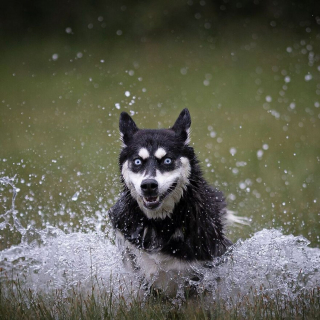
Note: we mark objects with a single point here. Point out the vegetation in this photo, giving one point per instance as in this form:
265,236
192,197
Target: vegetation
19,303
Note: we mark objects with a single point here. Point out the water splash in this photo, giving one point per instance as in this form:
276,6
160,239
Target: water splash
9,218
50,259
269,262
75,196
58,261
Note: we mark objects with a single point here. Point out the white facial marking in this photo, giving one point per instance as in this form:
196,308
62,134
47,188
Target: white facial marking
160,153
165,180
144,153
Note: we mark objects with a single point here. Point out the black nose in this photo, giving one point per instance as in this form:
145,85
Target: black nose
149,187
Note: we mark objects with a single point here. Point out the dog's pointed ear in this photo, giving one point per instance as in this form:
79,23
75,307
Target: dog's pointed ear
182,126
127,128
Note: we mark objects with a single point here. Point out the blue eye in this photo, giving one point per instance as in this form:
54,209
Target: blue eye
137,162
167,161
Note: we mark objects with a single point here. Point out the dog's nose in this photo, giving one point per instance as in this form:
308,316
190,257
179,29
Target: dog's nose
149,186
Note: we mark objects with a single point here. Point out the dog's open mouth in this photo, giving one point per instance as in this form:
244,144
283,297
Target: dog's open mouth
151,202
155,201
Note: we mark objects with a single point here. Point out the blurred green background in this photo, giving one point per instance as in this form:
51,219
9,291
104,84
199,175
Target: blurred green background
248,71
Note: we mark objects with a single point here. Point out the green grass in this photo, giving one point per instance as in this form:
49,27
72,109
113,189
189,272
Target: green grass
19,303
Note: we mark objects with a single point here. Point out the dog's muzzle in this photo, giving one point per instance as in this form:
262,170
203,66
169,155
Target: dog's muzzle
150,193
151,199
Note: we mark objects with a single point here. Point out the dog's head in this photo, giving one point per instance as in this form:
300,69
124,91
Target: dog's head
155,164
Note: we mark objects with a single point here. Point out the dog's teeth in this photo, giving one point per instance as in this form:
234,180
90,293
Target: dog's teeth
152,199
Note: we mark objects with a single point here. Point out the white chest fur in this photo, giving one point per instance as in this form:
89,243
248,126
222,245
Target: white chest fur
160,270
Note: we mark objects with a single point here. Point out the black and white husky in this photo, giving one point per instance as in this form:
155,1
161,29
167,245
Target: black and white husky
168,219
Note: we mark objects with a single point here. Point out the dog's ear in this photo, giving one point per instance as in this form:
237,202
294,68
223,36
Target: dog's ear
127,128
182,126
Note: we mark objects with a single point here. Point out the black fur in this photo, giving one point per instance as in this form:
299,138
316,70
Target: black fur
198,214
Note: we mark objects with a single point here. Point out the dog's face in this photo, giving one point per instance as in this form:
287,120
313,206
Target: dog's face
155,164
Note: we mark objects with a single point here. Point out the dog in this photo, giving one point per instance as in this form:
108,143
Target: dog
168,219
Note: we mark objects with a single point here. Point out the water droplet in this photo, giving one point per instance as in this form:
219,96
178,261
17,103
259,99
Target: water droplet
55,57
308,77
259,154
292,105
75,196
268,98
183,71
242,185
233,151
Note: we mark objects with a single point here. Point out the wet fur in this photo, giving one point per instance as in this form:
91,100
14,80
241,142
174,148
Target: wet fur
193,231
